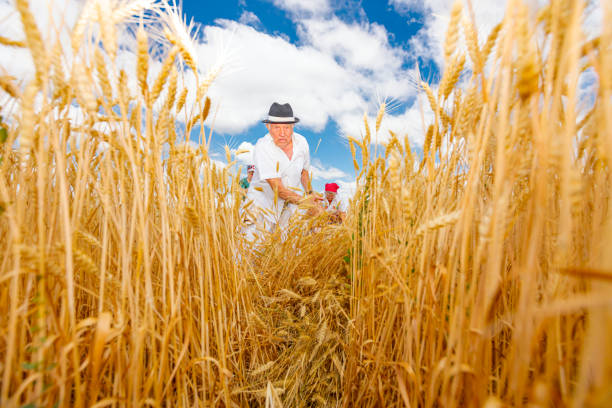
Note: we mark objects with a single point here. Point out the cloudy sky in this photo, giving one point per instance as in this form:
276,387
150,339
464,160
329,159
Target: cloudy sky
333,60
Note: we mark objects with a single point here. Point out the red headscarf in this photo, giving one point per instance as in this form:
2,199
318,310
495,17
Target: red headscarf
333,187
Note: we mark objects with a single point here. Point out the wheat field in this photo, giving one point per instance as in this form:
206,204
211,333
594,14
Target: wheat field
477,274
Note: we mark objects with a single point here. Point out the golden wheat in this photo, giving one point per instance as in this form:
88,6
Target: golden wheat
475,274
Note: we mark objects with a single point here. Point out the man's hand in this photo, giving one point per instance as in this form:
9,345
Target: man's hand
283,192
316,197
311,202
315,210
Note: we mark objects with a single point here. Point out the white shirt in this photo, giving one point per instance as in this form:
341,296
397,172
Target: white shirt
271,162
335,205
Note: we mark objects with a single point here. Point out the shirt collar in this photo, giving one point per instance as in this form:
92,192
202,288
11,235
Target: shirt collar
293,141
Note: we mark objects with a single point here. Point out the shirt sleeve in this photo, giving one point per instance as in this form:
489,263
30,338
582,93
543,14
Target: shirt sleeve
265,162
306,156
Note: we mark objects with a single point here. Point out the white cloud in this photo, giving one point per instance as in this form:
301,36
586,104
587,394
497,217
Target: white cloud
412,121
272,69
18,61
403,6
347,191
218,164
51,21
339,71
593,23
428,42
245,155
430,39
329,173
249,18
363,48
302,6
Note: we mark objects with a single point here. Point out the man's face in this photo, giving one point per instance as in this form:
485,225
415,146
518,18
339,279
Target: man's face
329,195
281,133
250,175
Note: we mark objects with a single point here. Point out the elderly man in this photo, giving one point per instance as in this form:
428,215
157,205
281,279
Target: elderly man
332,204
282,162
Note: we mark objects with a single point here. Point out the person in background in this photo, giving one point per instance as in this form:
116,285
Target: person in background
245,182
282,162
332,204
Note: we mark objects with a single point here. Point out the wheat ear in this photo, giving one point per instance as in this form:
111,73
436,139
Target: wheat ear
452,33
33,37
142,67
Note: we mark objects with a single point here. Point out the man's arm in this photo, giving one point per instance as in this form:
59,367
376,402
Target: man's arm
292,197
306,182
308,187
283,192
